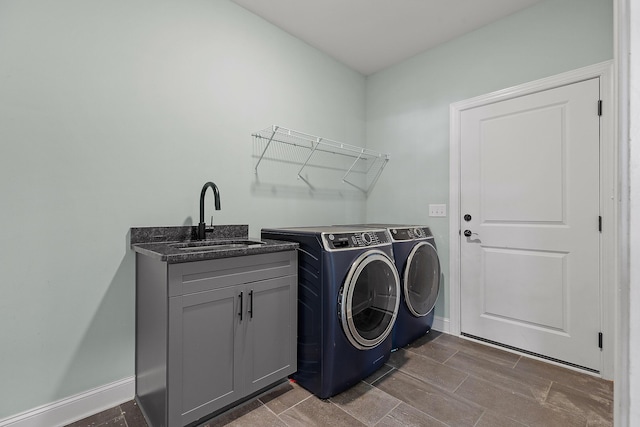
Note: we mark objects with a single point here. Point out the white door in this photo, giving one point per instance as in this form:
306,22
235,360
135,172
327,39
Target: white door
529,177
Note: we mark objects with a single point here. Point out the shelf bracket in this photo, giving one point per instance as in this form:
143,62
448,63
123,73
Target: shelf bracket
313,150
353,164
275,129
344,178
374,179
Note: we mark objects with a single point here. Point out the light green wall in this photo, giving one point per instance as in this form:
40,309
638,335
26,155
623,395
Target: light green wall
408,104
113,114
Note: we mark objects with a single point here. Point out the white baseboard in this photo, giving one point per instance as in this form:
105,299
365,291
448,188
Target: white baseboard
76,407
439,324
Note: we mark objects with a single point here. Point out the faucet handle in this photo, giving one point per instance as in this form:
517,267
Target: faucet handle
209,228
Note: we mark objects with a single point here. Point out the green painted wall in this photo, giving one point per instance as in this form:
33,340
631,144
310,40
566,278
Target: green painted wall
408,104
113,114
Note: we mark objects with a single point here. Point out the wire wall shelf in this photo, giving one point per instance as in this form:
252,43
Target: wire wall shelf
361,170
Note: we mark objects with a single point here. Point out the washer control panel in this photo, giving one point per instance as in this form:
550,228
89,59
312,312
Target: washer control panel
355,240
426,233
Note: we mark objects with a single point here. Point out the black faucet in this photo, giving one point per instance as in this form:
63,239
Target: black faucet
216,196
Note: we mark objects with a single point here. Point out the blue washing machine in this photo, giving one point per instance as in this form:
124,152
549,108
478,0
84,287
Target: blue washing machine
348,301
416,258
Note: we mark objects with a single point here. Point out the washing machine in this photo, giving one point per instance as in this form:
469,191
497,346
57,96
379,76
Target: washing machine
417,262
348,301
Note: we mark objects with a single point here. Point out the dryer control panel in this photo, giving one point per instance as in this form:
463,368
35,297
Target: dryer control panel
410,233
355,240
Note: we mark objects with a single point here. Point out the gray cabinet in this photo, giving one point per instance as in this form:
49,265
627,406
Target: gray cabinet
230,331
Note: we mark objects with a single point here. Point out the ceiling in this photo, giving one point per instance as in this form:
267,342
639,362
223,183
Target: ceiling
370,35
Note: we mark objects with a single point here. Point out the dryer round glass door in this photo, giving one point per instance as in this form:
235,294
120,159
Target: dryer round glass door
369,300
421,279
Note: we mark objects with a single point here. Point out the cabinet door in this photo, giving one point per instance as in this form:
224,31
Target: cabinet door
205,339
271,346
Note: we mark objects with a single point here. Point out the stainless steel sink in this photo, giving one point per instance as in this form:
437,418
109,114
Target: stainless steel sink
212,245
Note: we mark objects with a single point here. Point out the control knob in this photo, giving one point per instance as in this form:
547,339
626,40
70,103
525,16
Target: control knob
366,238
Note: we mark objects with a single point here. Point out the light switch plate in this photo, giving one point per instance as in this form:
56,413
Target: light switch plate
437,210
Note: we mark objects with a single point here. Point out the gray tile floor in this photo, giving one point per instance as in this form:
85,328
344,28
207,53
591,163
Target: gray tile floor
440,380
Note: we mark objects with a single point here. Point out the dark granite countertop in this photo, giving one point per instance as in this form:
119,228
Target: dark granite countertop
164,243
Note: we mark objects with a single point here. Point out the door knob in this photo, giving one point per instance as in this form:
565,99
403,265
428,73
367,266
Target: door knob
467,217
469,233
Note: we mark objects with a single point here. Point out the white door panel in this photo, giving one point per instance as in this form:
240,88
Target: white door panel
534,284
530,180
512,182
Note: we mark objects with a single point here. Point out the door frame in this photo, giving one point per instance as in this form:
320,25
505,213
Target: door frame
608,194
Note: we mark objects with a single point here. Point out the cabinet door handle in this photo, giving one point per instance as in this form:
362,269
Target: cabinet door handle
240,312
251,303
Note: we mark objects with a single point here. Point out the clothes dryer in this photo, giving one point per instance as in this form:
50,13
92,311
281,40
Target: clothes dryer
417,262
348,300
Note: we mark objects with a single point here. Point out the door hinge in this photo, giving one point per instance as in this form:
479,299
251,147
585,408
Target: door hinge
600,339
600,223
600,107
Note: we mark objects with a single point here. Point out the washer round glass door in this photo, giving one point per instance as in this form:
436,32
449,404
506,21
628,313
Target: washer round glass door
422,279
369,299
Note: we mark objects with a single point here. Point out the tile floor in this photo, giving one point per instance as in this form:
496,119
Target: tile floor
440,380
